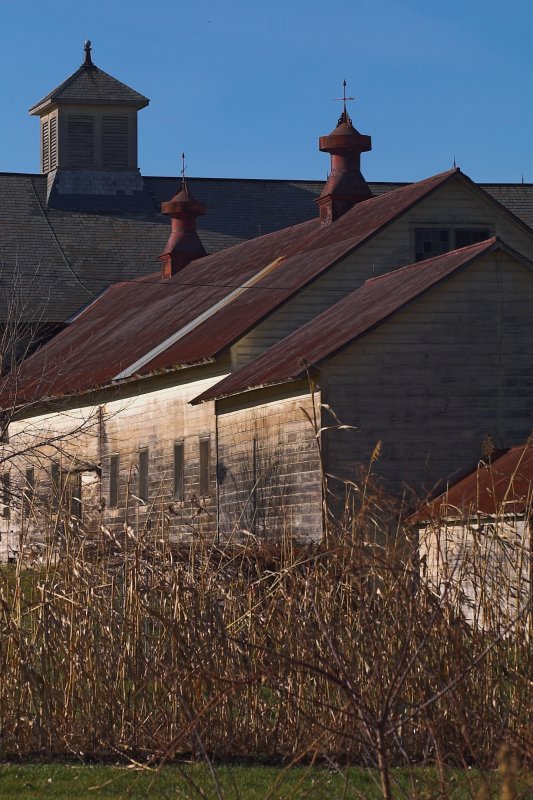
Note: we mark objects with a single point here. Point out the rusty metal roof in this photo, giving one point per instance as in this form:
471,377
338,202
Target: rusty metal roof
351,317
141,326
503,485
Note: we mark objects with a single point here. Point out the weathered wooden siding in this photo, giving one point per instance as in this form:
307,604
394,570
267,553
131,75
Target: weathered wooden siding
157,420
68,439
83,440
269,471
435,380
453,205
486,559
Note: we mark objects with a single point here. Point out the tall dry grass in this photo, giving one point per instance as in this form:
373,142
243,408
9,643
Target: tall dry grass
134,646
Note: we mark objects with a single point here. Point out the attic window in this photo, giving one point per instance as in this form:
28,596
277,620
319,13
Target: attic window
466,236
431,242
80,141
115,142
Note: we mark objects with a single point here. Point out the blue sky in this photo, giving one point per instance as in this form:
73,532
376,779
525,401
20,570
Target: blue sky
246,88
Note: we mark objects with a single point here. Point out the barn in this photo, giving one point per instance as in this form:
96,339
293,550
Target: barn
239,392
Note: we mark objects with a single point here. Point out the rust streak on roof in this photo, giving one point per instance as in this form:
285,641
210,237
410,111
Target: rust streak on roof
131,319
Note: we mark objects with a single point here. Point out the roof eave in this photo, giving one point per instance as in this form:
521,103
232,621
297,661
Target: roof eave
50,103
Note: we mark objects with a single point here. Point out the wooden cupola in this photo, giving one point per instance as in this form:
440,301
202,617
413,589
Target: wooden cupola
89,122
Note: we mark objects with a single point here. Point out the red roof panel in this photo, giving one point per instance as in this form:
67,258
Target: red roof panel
504,485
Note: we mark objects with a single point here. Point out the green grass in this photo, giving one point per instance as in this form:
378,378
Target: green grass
76,782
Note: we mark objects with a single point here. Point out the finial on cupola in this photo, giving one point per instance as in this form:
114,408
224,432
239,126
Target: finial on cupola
87,48
345,185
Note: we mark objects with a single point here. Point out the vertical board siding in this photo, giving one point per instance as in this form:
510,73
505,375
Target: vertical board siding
437,380
269,470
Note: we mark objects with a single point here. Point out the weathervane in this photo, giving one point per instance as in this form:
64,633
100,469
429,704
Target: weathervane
183,182
344,116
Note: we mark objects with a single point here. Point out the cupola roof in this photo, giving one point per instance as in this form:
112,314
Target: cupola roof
90,85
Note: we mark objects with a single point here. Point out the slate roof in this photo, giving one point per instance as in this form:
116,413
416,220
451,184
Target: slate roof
59,260
150,325
503,485
90,85
63,256
351,317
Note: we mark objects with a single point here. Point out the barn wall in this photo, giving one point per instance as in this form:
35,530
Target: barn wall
82,440
157,420
487,559
269,472
455,205
68,438
431,383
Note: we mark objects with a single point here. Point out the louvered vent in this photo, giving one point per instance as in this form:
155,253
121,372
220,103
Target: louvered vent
53,143
115,142
45,146
80,141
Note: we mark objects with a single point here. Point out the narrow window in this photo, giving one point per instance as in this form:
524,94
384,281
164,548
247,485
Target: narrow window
45,147
143,474
29,491
115,142
53,143
73,494
55,475
6,493
4,427
114,465
179,462
80,141
205,483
